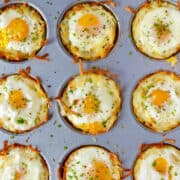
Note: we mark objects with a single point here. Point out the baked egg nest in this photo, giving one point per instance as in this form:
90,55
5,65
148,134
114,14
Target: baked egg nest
23,103
156,29
158,161
156,101
19,161
22,32
88,31
90,102
91,162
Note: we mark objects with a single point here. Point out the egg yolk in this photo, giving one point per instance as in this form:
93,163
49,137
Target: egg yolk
17,99
3,38
91,104
17,29
162,30
161,165
159,97
100,171
88,20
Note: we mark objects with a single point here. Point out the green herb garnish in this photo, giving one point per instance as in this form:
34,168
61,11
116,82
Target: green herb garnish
21,121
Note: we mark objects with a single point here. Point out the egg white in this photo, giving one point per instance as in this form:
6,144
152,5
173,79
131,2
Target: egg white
36,111
23,158
105,90
81,161
158,118
144,169
85,45
144,35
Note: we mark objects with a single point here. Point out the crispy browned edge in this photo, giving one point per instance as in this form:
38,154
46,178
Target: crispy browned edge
8,148
72,125
136,86
42,88
80,5
146,4
147,147
61,171
13,5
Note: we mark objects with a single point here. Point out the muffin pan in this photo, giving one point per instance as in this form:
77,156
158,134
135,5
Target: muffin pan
56,139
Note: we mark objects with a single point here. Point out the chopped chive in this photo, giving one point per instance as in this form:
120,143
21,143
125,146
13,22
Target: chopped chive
59,125
12,137
130,53
20,121
154,164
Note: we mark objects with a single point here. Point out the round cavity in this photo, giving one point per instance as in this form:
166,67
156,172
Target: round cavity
156,29
23,103
90,103
88,30
22,32
156,101
91,162
158,161
19,161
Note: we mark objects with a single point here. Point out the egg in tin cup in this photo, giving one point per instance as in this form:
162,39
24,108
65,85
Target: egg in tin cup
91,162
19,161
88,31
22,32
156,101
156,29
23,103
90,102
158,161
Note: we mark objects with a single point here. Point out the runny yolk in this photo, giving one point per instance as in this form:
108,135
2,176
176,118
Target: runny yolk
88,20
17,29
159,97
100,171
91,104
161,165
17,99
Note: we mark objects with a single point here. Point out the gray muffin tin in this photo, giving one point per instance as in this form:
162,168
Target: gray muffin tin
55,139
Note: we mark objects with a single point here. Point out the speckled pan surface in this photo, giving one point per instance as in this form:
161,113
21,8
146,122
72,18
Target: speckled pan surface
56,139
